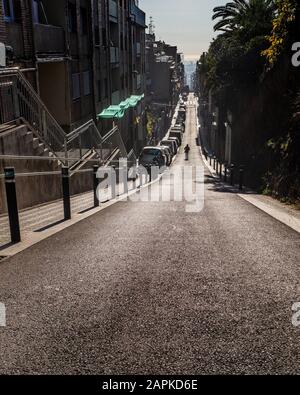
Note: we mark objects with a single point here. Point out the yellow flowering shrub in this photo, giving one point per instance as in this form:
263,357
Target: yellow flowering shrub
285,15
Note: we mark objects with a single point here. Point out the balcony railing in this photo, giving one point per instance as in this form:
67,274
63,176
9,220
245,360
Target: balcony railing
137,15
49,39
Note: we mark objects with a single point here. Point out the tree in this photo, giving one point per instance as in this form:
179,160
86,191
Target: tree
285,16
249,17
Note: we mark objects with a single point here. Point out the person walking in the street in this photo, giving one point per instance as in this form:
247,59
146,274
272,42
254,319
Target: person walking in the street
187,151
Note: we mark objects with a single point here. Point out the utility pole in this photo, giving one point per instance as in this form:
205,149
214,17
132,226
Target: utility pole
151,26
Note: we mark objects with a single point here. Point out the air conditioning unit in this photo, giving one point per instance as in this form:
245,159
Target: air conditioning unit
2,55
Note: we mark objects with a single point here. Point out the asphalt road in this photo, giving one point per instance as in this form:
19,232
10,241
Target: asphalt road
149,288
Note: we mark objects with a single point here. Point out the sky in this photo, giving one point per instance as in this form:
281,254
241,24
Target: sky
185,23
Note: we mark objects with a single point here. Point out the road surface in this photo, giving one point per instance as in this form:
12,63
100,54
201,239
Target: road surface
148,288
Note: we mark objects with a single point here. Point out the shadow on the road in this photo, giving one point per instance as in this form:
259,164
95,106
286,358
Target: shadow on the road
216,185
220,186
4,246
86,210
49,226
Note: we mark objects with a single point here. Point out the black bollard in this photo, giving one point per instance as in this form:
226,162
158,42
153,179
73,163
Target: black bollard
241,177
12,204
225,172
150,174
66,192
232,175
135,174
95,185
113,184
221,168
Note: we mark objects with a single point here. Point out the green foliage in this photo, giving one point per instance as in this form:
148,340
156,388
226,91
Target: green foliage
283,180
150,123
284,17
247,17
234,58
252,36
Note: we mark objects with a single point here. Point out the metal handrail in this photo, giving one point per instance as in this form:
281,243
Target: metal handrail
29,107
83,128
18,73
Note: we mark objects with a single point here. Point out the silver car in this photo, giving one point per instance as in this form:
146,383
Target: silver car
168,154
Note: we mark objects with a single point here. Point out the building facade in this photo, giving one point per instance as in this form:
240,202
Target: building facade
81,56
165,81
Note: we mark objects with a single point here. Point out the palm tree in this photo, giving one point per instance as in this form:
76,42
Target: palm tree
244,14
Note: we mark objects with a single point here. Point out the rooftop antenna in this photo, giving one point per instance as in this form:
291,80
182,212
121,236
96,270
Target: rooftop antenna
151,26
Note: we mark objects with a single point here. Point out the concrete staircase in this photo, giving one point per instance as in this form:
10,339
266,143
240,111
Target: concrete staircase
18,139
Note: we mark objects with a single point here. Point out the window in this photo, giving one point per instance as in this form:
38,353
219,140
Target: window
83,21
106,88
35,11
104,37
8,10
72,18
86,83
97,35
76,86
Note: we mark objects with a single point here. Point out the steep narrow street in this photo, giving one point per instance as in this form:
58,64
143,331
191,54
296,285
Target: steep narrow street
145,287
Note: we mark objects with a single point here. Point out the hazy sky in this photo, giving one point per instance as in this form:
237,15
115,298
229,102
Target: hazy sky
185,23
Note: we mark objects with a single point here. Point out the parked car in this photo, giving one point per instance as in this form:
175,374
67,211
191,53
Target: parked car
176,133
171,144
152,156
179,127
182,124
176,140
168,154
182,114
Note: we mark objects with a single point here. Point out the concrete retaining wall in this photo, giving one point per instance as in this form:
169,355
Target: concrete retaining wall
35,190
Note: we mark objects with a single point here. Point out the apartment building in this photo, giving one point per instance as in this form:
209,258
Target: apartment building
164,82
82,57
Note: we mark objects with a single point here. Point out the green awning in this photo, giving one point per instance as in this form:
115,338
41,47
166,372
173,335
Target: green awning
134,100
118,112
125,104
112,112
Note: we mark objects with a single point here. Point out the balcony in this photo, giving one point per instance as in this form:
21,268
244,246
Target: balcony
113,11
49,39
114,55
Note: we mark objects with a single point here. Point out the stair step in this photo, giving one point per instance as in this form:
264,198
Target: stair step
29,137
23,130
7,126
7,129
35,142
39,150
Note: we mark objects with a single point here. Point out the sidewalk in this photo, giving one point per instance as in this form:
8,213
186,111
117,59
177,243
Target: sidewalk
284,213
36,218
40,218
